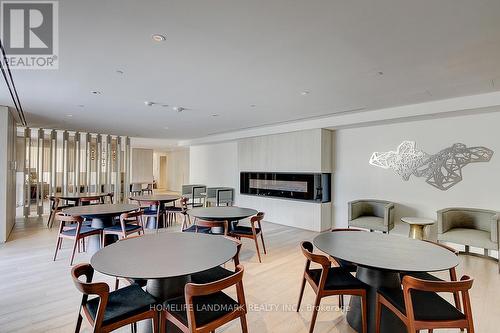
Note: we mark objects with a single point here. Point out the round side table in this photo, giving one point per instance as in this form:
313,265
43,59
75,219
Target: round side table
417,225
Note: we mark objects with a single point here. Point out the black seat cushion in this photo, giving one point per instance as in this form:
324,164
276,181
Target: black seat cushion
211,275
123,303
422,276
173,209
201,230
337,279
150,211
206,308
243,230
83,230
426,305
128,227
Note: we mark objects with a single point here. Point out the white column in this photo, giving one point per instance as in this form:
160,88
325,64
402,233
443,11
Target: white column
118,174
27,175
40,155
53,162
65,164
77,163
98,163
126,181
88,137
108,163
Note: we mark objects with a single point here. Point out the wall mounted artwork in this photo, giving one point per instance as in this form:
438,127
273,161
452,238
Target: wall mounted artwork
441,170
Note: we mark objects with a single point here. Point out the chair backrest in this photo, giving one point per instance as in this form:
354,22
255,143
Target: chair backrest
87,288
193,290
184,206
91,200
212,224
136,187
463,286
472,218
238,243
131,217
224,196
307,250
63,219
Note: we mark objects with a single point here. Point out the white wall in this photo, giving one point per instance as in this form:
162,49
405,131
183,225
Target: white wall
7,173
177,169
141,167
354,178
214,165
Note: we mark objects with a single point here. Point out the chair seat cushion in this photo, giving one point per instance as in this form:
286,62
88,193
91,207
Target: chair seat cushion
211,275
422,276
244,230
369,222
123,303
426,305
466,236
83,230
173,209
338,278
150,211
118,227
201,230
206,308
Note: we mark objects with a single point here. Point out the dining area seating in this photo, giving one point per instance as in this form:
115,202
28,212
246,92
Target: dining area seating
374,215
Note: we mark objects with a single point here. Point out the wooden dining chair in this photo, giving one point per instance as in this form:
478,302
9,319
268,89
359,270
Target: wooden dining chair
419,306
329,281
430,277
71,227
206,227
347,265
218,272
111,310
55,207
172,212
93,200
252,232
130,223
151,210
205,307
110,197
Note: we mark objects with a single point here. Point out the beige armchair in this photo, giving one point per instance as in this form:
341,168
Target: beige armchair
469,227
371,214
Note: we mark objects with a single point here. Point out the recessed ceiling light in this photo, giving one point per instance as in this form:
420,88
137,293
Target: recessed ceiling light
178,108
96,92
252,105
158,38
148,103
119,71
380,73
215,115
305,92
69,115
164,105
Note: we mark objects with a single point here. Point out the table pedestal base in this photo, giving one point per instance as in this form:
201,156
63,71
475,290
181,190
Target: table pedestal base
94,244
416,231
163,289
375,279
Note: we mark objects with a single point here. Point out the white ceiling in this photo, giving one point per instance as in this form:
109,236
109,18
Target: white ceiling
222,56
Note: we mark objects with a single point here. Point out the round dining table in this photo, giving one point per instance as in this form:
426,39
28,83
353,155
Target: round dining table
222,213
380,259
166,260
102,216
163,199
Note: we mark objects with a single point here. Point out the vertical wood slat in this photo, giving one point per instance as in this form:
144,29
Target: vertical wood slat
27,175
118,180
126,181
76,169
98,163
53,162
40,161
108,163
65,156
88,138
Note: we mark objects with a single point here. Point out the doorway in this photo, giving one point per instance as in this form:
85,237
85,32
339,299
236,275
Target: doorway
163,173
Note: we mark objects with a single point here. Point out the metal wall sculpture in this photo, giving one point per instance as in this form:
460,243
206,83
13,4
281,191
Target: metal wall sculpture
442,170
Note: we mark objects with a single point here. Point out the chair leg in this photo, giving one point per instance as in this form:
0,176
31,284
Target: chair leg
378,311
74,249
315,313
243,320
117,283
257,247
78,323
158,324
262,239
301,293
58,244
364,313
341,301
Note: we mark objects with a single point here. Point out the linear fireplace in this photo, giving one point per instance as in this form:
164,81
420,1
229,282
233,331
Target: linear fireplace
299,186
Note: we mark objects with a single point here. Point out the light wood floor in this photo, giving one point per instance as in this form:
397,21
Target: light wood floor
37,294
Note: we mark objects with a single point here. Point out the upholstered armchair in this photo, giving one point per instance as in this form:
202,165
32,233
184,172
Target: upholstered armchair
371,214
469,227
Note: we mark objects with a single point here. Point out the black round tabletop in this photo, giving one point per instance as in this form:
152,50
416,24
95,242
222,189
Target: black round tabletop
98,210
78,196
156,197
230,213
163,255
387,252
